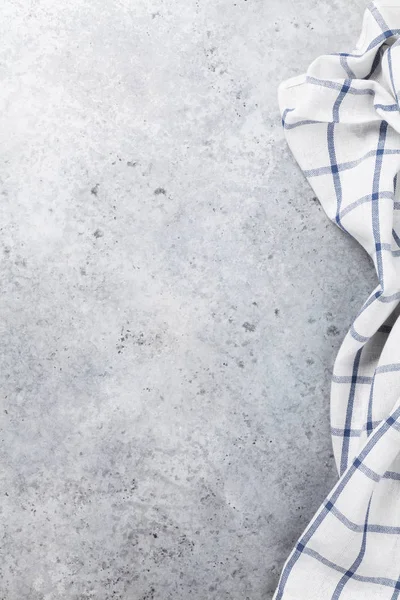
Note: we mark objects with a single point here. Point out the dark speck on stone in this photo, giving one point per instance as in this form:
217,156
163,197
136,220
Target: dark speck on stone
95,189
332,330
277,311
131,163
249,326
159,191
149,595
98,233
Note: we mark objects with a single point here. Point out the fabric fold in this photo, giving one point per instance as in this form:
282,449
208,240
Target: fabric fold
342,123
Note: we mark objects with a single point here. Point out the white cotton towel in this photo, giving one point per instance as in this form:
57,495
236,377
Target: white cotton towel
342,123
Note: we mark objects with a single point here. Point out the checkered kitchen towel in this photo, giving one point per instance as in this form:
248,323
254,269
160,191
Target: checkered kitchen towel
342,123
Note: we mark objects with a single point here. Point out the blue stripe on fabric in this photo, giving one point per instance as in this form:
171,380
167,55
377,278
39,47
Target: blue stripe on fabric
369,472
342,94
358,528
385,247
359,338
352,571
346,68
335,85
350,379
385,581
350,207
396,591
378,16
349,413
338,432
288,126
392,475
300,124
345,432
375,200
387,107
347,165
389,368
392,298
396,237
331,146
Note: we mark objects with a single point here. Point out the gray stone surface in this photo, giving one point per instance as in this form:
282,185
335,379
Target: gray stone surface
172,297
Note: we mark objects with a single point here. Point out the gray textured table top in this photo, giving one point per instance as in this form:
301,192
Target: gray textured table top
173,298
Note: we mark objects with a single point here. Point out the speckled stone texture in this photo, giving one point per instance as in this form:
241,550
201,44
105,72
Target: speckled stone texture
172,297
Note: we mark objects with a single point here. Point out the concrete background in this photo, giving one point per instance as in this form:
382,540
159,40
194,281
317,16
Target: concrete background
172,297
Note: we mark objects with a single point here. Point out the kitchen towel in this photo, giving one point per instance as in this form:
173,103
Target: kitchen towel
342,123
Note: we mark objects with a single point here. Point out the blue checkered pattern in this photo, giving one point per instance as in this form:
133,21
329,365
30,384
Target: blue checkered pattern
342,123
